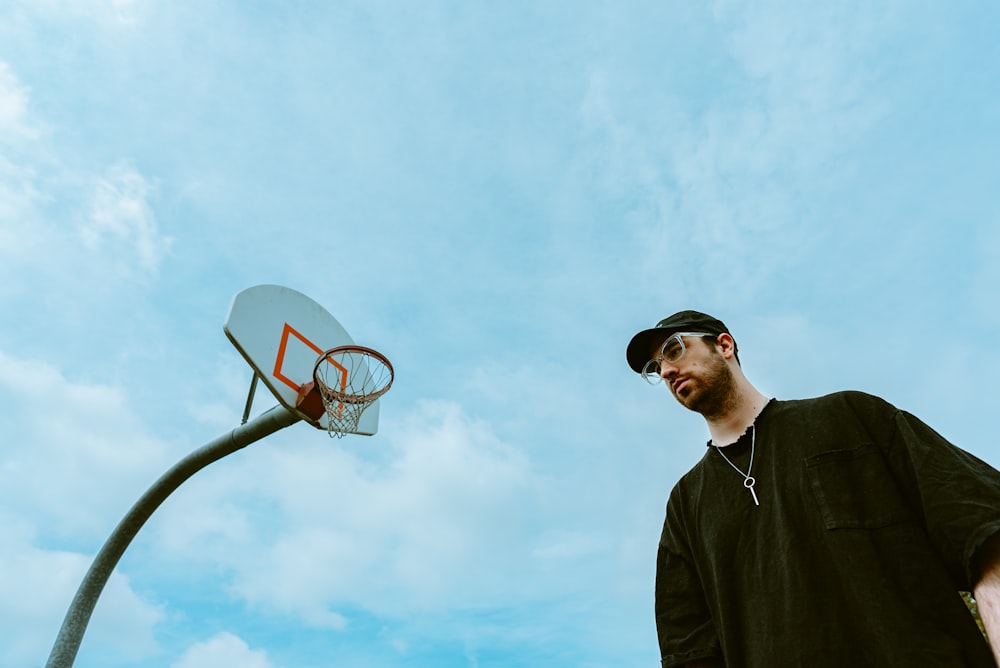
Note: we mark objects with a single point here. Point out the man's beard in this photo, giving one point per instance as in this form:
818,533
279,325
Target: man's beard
714,390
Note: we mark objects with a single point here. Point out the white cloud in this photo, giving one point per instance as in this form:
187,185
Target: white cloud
811,74
15,122
19,233
709,183
436,521
69,435
36,587
221,650
121,219
18,190
110,13
120,228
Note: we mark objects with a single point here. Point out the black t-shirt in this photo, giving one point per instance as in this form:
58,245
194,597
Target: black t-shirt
867,524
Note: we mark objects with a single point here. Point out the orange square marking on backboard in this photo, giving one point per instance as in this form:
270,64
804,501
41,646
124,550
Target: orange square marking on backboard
280,359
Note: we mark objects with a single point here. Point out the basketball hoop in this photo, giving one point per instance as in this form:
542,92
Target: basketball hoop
349,379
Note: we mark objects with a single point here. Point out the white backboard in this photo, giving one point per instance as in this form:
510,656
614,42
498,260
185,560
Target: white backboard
281,333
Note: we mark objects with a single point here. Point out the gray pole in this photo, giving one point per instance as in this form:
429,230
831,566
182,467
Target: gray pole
75,624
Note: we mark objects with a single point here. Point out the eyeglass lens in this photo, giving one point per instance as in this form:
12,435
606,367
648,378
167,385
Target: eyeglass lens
671,352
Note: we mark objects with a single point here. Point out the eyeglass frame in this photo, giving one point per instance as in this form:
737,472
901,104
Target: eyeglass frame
651,370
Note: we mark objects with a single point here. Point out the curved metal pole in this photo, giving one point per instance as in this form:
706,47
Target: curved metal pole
75,624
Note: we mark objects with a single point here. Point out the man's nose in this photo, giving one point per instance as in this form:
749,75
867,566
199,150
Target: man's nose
667,370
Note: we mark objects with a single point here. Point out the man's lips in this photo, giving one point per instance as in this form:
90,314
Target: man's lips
677,384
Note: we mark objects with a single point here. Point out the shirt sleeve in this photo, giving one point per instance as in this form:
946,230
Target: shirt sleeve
683,621
957,494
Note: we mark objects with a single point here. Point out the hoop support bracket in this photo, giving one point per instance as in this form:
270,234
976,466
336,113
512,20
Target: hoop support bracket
310,401
253,390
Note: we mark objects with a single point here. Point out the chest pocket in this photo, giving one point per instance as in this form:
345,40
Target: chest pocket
855,489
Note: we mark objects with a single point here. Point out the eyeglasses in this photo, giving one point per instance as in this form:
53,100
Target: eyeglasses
671,351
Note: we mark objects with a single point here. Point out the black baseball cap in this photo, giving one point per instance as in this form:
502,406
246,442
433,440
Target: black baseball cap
683,321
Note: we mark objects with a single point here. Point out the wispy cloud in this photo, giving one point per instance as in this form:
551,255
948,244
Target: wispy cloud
103,12
706,183
118,228
18,190
436,524
224,649
36,586
85,432
15,121
121,219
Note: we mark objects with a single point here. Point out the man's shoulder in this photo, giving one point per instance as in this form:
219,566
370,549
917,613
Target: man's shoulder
838,417
844,400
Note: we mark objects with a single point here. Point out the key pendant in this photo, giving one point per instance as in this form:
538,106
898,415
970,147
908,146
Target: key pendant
749,483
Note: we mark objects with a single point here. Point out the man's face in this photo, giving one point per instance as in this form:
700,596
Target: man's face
701,379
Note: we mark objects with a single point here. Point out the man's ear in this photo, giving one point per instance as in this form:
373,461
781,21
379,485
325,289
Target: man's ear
726,345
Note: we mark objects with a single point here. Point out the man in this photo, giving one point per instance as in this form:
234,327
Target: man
825,532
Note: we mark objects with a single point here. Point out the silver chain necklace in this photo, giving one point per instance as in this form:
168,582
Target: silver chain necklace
748,480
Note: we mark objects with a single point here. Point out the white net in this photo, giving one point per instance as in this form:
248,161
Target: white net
350,379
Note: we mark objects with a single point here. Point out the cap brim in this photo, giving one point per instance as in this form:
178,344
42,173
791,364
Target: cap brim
641,345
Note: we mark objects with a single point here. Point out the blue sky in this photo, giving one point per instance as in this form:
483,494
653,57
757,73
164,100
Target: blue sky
497,196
